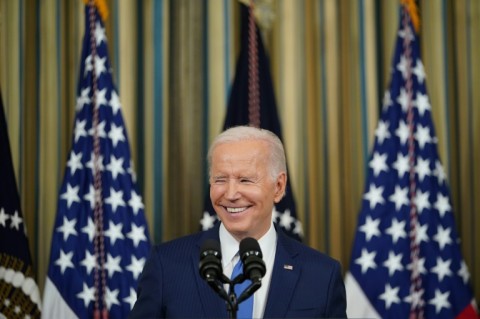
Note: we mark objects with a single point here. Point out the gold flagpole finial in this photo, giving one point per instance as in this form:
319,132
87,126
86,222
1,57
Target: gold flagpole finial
412,10
101,7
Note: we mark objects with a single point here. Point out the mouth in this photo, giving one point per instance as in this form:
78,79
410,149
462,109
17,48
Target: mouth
235,210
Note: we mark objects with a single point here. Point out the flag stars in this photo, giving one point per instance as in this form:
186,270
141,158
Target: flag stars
207,221
100,128
68,228
90,196
113,265
442,204
374,196
115,166
421,234
401,165
89,262
396,230
420,266
114,232
378,163
393,263
83,99
370,228
3,217
115,199
15,221
111,298
419,71
100,34
463,272
421,201
442,268
64,261
132,298
402,132
399,197
390,296
422,168
87,295
116,134
115,102
439,172
71,195
423,136
442,237
366,261
75,162
80,129
89,230
137,234
440,300
286,219
100,98
404,100
422,103
382,131
135,202
387,100
99,163
403,66
136,266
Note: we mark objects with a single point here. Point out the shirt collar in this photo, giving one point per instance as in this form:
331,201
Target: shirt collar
229,245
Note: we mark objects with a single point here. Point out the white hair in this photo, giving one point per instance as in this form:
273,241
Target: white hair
242,133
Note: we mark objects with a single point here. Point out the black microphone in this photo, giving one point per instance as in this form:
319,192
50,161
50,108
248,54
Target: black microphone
251,255
210,266
210,260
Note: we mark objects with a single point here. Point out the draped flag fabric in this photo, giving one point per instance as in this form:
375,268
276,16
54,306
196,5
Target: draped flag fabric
284,213
19,294
93,269
406,258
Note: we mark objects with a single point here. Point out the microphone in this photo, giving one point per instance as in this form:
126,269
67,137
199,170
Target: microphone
210,260
251,255
210,266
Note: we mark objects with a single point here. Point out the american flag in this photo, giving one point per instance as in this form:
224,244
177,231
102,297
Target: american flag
19,294
406,208
284,213
77,285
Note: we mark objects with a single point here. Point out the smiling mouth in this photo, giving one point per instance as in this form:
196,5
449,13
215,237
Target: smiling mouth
235,209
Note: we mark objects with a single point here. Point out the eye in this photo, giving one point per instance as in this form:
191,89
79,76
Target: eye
246,180
219,180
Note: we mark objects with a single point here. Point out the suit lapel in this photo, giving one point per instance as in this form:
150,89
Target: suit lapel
284,279
213,305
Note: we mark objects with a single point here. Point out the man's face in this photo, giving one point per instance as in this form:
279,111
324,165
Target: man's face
242,190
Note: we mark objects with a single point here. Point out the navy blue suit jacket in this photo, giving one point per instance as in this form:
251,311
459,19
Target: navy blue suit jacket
171,287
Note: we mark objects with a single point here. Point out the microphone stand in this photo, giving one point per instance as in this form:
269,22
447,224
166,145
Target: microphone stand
231,299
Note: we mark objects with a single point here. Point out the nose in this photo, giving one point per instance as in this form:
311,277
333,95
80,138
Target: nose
231,193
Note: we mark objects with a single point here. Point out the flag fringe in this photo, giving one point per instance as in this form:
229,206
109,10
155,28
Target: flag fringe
102,8
412,10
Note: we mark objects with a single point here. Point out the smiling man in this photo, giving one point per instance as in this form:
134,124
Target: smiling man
247,177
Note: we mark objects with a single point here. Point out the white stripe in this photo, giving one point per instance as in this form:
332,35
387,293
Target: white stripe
53,304
358,305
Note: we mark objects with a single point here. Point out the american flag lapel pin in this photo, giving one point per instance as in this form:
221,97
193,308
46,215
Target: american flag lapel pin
288,267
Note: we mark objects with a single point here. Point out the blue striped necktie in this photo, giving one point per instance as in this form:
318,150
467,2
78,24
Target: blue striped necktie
245,309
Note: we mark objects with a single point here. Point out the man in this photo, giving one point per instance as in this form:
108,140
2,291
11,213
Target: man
247,177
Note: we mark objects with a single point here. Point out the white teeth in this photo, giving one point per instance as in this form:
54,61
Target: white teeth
235,209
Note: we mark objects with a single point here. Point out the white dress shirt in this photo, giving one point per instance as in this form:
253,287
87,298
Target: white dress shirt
268,245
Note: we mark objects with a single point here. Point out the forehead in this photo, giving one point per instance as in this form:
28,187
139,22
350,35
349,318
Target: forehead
245,151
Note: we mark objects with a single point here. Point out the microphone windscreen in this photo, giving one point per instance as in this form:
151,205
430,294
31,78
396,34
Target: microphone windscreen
250,246
210,246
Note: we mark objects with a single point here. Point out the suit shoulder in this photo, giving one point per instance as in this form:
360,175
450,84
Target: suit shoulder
306,253
182,244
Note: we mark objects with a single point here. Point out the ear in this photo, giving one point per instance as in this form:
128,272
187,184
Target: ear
280,186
